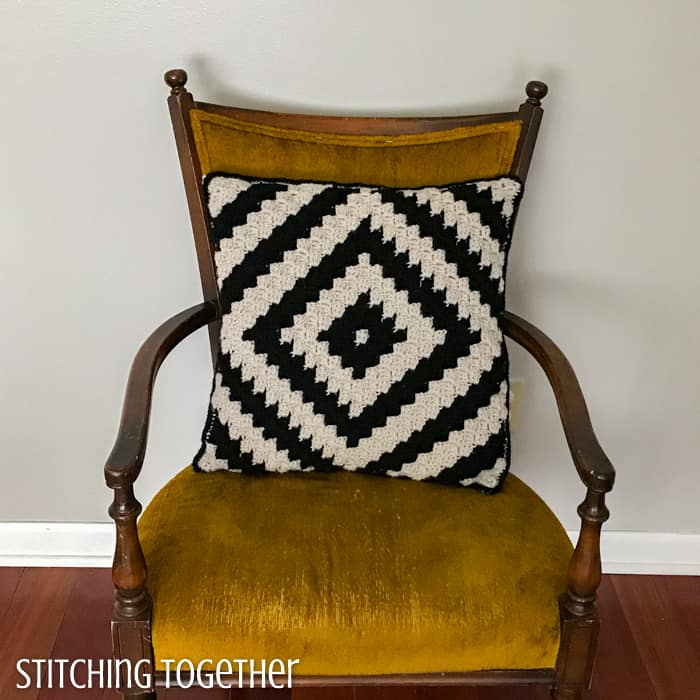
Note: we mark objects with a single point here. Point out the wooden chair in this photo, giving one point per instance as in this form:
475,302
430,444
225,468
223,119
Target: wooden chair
203,145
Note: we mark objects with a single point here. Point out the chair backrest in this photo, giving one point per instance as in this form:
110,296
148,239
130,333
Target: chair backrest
390,151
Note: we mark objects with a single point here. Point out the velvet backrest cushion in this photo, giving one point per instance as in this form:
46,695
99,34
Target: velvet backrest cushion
225,144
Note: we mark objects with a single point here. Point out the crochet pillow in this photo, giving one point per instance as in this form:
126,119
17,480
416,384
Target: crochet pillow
360,329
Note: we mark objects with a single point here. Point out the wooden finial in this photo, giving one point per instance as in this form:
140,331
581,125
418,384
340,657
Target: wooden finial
176,79
536,91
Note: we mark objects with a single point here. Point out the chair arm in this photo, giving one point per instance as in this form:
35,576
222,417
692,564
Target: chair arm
124,462
591,462
132,601
579,610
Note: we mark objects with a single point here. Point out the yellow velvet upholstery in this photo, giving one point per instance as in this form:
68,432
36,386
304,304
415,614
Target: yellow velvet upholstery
353,574
403,160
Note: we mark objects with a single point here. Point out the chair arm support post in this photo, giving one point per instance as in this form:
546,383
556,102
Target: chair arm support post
129,565
584,574
132,602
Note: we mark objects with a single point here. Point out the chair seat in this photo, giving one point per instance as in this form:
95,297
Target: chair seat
353,574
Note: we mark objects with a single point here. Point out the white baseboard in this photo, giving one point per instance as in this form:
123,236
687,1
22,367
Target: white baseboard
649,552
56,544
92,544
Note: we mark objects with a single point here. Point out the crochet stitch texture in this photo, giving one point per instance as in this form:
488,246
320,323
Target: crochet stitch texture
360,329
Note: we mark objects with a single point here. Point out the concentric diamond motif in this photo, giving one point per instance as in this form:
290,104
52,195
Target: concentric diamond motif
360,329
381,363
361,336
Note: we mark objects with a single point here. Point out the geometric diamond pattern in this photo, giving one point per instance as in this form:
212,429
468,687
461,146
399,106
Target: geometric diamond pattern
362,335
360,329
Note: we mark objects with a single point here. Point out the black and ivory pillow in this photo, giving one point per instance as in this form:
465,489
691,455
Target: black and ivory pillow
361,329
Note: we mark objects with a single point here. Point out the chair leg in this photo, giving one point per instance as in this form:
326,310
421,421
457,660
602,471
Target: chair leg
579,639
578,606
131,642
131,615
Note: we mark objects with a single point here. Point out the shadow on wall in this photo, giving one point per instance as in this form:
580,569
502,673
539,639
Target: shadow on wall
207,82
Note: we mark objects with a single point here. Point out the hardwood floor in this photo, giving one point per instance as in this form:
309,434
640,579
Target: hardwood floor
649,647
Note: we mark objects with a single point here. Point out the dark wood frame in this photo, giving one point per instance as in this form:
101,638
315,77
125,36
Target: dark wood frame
132,603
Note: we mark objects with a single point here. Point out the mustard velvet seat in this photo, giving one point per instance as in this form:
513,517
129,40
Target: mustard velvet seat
353,574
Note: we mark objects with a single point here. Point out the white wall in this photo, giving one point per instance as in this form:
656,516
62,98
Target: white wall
96,246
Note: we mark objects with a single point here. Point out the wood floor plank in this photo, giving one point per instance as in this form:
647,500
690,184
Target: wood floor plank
9,580
656,620
31,624
684,594
619,669
85,630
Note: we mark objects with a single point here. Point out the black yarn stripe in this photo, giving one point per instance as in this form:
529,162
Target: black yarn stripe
448,419
382,332
482,456
490,213
456,251
459,336
274,426
283,238
236,213
433,301
207,425
277,427
226,448
202,448
406,277
231,450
